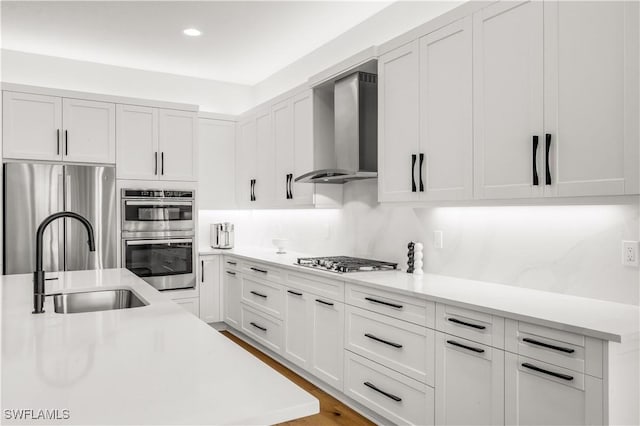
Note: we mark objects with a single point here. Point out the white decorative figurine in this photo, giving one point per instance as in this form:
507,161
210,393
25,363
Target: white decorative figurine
418,256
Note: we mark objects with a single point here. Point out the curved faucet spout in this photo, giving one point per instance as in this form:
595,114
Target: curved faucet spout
38,274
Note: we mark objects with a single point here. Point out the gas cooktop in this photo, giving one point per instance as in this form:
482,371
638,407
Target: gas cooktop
342,264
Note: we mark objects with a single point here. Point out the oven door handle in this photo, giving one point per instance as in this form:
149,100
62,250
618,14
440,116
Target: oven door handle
145,242
152,202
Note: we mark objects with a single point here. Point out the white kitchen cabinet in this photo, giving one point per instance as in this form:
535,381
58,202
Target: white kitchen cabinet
137,142
591,98
398,128
545,394
469,382
284,151
190,305
231,296
178,145
303,139
265,180
210,289
216,167
245,162
508,99
327,341
32,126
298,326
445,163
89,131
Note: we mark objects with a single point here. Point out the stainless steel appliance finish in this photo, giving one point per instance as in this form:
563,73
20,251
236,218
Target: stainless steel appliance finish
222,235
34,191
152,211
355,131
342,264
93,301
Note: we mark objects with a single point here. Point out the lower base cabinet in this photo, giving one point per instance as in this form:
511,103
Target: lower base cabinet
469,382
544,394
231,295
392,395
262,328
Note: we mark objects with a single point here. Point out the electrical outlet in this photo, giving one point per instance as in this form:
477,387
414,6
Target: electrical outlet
630,253
437,239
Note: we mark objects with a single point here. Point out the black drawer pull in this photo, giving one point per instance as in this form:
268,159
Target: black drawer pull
387,394
258,270
386,342
264,296
382,302
466,324
231,263
550,373
294,292
231,273
257,326
547,345
460,345
324,303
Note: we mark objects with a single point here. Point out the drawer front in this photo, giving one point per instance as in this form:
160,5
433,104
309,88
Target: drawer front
472,325
399,345
390,394
405,308
263,295
557,347
261,271
231,263
320,286
262,328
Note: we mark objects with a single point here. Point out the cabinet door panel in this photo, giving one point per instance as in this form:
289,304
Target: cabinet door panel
216,168
397,123
302,108
90,131
190,305
327,341
232,292
32,126
284,149
245,161
210,292
508,98
445,112
178,145
591,104
265,161
297,326
469,383
137,142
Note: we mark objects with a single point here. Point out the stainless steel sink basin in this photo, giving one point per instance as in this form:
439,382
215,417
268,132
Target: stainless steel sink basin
93,301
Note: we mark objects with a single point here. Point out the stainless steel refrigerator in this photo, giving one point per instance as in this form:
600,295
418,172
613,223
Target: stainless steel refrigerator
33,191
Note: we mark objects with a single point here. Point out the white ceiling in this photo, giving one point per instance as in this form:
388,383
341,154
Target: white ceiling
242,42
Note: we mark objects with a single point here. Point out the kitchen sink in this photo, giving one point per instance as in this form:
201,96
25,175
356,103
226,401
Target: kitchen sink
94,301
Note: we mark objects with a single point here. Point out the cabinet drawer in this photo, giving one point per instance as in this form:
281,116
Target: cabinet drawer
320,286
263,295
399,345
390,394
472,325
557,347
261,270
231,263
265,330
406,308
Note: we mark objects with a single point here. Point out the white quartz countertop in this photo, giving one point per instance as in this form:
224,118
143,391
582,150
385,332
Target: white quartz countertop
156,364
591,317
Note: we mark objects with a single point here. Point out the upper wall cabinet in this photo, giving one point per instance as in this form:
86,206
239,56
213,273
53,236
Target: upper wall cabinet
245,164
425,118
39,127
156,144
216,168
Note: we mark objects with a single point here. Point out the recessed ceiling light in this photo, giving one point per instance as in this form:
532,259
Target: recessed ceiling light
192,32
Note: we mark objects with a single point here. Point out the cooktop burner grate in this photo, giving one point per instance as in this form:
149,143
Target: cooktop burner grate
345,264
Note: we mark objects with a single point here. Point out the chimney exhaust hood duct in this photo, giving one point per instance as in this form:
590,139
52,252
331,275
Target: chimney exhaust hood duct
355,131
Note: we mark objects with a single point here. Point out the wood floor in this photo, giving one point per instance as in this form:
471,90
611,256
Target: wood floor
332,411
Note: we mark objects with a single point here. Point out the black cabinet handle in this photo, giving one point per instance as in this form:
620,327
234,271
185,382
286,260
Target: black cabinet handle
460,345
324,302
413,173
386,342
535,163
202,270
549,346
466,324
387,394
258,327
58,142
155,162
550,373
162,163
547,149
382,302
291,186
231,263
66,142
231,273
264,296
259,270
286,186
294,292
420,172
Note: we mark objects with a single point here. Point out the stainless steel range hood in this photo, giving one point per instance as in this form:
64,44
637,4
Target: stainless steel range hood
355,132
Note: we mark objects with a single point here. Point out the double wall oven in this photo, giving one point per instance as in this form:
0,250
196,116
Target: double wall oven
158,237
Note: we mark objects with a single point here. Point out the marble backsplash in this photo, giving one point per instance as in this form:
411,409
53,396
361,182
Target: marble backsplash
553,245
